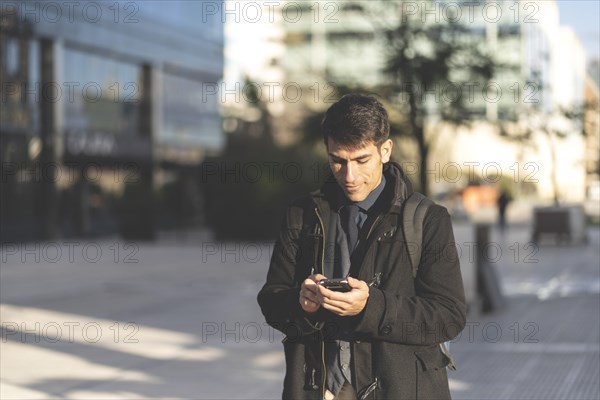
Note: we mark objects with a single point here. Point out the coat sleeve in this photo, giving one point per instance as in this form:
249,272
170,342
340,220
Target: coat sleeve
437,311
279,297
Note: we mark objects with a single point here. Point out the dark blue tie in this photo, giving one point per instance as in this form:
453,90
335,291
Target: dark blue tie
350,225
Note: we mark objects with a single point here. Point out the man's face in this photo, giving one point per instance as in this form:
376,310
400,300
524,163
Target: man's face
358,171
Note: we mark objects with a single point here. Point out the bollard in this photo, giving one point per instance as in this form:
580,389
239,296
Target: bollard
488,283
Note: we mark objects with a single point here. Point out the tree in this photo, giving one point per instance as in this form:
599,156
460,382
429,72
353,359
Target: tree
554,125
441,57
554,122
445,57
249,184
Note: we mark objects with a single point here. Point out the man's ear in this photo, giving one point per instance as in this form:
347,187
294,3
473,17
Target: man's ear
385,150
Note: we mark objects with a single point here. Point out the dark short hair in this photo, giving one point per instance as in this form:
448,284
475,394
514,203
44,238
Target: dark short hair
355,120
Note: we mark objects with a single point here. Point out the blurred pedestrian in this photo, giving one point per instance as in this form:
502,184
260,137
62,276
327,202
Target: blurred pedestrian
379,337
502,202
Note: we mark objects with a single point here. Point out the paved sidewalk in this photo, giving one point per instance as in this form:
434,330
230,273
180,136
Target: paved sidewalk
179,319
545,344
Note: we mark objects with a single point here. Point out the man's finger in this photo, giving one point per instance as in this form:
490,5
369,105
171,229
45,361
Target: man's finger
310,289
307,301
308,304
336,303
317,277
332,294
356,283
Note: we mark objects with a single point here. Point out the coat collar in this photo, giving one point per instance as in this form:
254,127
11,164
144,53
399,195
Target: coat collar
397,189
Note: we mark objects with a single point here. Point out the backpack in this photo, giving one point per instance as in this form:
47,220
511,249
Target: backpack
413,215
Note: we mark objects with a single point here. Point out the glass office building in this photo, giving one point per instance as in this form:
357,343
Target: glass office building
104,115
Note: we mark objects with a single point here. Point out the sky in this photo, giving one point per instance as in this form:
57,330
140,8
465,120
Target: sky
584,17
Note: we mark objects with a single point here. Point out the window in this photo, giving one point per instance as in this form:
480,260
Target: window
190,111
101,95
20,90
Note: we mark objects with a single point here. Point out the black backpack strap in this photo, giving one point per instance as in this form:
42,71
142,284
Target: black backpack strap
413,216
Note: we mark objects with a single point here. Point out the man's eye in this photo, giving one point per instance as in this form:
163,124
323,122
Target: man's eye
363,161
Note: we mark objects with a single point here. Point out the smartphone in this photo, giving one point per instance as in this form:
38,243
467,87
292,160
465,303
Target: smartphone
337,285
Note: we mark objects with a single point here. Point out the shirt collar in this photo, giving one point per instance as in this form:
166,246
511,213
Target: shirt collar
367,203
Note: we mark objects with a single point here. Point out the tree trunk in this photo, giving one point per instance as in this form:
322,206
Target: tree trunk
416,121
554,170
423,175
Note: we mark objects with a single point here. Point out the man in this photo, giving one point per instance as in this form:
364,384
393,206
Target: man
379,340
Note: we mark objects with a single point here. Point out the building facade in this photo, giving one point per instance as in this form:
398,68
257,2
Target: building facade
106,110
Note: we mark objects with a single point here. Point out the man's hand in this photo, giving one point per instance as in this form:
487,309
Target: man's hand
345,304
309,296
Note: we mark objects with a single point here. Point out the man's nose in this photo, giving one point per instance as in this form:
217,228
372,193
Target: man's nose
349,173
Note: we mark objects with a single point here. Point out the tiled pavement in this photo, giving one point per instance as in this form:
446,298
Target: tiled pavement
178,319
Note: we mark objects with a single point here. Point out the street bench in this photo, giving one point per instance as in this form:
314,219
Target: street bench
564,224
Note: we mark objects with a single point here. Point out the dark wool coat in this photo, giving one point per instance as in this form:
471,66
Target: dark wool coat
395,348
